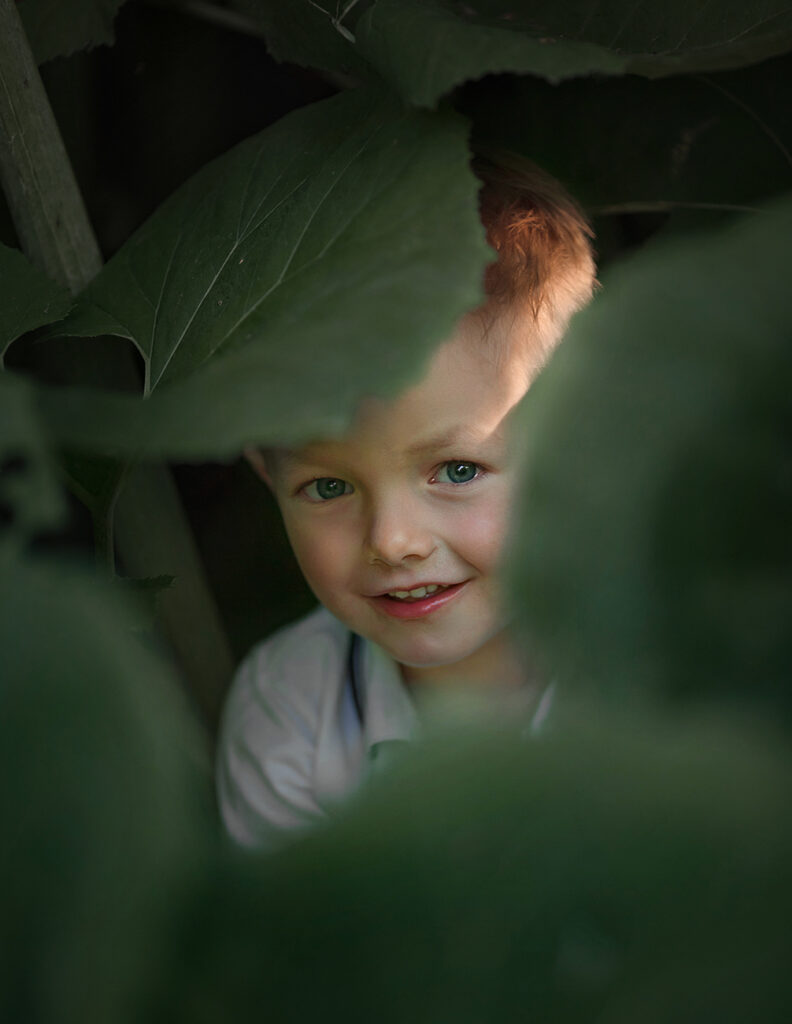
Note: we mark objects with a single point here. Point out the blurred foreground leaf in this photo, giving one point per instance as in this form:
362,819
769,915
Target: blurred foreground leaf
653,552
617,871
427,47
101,793
315,263
30,497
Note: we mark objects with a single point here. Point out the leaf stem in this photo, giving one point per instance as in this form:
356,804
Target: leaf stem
666,205
749,110
143,512
36,175
104,520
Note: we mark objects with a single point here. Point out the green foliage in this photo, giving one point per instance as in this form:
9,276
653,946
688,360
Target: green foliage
311,34
653,551
57,28
30,499
103,795
613,871
633,864
29,298
314,263
595,134
425,49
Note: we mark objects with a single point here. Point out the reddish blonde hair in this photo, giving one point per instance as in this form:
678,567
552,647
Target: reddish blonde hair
544,263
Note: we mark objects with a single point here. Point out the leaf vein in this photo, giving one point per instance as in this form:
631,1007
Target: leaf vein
279,281
232,251
155,322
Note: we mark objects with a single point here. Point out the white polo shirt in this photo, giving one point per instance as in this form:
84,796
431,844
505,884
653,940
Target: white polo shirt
291,744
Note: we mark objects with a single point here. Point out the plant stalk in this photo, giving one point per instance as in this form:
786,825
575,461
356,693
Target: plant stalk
43,196
143,511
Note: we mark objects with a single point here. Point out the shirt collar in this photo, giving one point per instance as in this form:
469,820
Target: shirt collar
388,710
390,713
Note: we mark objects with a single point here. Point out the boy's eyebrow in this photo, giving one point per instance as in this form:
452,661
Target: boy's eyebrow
448,439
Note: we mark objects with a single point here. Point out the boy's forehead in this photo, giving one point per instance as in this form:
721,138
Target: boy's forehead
415,442
461,399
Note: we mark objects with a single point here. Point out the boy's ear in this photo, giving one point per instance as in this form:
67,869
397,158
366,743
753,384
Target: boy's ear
258,462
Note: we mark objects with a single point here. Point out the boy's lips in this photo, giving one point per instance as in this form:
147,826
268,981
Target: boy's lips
416,608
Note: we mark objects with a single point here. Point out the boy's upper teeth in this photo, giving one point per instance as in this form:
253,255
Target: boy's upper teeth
418,592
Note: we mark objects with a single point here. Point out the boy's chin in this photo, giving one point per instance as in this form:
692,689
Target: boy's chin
429,659
424,657
423,645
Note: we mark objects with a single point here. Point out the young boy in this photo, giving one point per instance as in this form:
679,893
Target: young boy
398,527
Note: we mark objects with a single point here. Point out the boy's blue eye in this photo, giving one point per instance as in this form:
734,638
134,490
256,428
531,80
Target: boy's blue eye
457,472
326,487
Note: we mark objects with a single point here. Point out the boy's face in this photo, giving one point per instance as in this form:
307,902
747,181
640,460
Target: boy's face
416,495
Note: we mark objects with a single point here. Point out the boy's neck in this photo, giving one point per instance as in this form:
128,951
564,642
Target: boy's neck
495,666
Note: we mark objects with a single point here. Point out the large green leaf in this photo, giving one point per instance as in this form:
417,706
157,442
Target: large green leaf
30,498
56,28
101,793
427,47
721,140
620,871
29,299
313,34
316,262
653,552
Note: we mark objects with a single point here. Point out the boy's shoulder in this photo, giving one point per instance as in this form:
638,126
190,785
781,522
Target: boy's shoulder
273,773
297,660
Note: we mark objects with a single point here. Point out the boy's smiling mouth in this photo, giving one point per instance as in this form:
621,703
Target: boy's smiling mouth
417,592
417,601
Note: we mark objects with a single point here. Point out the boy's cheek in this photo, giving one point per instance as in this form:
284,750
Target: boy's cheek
486,547
322,554
484,528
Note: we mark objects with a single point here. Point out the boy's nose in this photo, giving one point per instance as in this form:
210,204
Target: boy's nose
397,533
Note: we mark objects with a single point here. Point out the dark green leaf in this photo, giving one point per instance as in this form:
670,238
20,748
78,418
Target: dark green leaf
103,779
427,48
596,137
56,28
653,553
310,34
315,263
614,871
29,299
